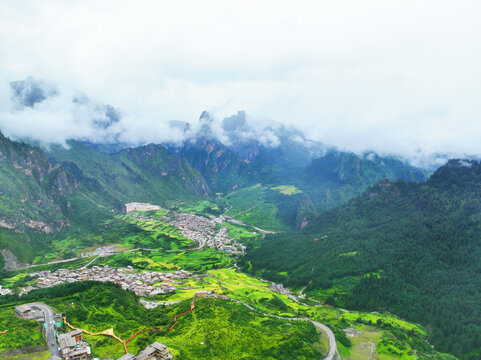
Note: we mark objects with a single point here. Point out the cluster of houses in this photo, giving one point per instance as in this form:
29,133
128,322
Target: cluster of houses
206,232
142,284
211,294
72,346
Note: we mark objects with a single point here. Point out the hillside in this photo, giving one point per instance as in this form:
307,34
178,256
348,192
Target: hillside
35,198
146,173
336,177
47,198
409,248
31,189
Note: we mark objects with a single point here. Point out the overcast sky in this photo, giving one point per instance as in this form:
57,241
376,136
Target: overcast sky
397,77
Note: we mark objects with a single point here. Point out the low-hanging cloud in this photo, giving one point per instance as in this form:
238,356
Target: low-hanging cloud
28,92
101,116
391,77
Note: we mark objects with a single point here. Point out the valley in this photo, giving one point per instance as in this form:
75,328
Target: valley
240,180
186,271
157,231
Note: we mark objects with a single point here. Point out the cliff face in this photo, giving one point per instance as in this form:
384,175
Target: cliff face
145,174
222,169
32,189
158,164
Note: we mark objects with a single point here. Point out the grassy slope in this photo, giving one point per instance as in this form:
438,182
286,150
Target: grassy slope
228,330
263,207
21,334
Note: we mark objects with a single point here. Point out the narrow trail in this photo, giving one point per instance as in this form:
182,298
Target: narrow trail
192,307
110,332
3,332
91,261
92,200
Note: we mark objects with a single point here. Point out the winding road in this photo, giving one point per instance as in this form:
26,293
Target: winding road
332,339
49,327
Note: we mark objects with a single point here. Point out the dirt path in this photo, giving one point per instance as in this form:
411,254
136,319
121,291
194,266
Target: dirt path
110,332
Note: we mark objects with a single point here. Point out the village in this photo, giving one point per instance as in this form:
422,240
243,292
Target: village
142,284
204,231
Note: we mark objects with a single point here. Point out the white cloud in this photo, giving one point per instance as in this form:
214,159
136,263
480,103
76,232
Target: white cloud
395,77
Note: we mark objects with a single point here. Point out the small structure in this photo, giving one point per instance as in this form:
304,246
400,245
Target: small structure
5,291
202,293
155,351
24,311
26,290
73,346
133,206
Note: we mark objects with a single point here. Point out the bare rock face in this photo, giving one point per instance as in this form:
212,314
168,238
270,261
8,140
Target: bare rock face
32,190
11,261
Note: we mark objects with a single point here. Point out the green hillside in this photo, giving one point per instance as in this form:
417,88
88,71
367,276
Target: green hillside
146,174
408,248
337,177
32,189
48,206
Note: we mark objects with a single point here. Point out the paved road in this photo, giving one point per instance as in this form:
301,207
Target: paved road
332,340
50,327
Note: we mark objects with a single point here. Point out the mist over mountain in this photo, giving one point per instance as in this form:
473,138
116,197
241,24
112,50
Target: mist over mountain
28,92
46,113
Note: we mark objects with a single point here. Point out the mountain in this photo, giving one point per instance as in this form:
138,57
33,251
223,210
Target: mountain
249,164
408,248
337,176
146,173
222,168
277,152
47,197
32,189
38,198
272,178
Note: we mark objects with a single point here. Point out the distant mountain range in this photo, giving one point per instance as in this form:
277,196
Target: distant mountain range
354,230
46,191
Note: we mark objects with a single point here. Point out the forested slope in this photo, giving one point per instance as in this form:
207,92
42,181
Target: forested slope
409,248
